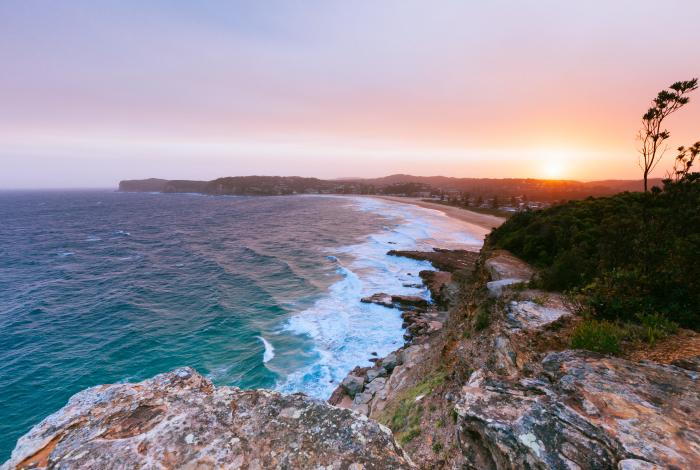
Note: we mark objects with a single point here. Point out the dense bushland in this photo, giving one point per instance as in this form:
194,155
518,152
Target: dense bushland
632,255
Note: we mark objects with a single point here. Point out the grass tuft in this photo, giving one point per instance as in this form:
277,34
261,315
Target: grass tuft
597,336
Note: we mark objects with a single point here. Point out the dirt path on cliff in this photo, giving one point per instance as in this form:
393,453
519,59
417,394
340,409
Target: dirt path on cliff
485,221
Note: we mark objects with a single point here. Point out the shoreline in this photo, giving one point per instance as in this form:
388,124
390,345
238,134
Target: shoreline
483,221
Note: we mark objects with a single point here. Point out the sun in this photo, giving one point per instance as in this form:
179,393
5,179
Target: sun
553,170
552,163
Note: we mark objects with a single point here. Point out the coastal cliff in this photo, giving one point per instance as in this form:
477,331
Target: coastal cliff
486,380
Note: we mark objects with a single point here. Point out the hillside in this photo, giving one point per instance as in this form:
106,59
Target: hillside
408,185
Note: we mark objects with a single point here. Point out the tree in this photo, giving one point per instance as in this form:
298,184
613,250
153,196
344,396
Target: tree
495,202
652,135
683,162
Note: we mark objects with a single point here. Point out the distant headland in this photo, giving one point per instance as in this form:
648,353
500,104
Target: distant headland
398,185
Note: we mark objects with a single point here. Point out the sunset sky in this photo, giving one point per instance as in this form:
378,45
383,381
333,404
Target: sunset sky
94,92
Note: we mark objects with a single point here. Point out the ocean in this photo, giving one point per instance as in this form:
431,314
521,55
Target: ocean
101,287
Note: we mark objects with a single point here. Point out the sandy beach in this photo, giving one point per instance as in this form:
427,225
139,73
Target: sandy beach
484,221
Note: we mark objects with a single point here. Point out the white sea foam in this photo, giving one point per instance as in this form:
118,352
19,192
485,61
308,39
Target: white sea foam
269,350
345,331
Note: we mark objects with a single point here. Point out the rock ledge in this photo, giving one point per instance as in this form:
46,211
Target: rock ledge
180,420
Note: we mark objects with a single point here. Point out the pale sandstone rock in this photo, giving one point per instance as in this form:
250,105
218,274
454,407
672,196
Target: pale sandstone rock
497,288
587,412
179,420
528,315
506,266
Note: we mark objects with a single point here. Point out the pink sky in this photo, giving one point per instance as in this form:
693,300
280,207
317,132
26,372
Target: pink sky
91,95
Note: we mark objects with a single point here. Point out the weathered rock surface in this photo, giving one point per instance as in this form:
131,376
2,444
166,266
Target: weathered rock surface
353,384
179,420
506,270
690,363
586,411
438,283
529,315
504,265
388,376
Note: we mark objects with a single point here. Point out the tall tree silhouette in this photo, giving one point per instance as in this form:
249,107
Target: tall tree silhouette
652,135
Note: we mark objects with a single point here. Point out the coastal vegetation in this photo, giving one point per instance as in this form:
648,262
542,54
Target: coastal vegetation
631,260
632,257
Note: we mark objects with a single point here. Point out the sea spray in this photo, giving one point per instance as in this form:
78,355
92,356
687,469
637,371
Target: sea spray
269,352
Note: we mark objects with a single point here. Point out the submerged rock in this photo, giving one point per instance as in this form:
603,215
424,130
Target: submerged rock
587,412
180,420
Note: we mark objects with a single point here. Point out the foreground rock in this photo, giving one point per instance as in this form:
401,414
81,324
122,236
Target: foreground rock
587,412
179,420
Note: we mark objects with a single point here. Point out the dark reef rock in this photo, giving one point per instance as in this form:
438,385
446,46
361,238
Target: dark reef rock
396,301
443,260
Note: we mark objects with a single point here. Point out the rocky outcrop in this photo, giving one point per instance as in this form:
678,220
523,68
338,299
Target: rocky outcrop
180,420
373,385
584,411
420,324
396,301
442,259
439,283
506,270
531,315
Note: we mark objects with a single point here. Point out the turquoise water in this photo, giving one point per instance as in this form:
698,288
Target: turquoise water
99,287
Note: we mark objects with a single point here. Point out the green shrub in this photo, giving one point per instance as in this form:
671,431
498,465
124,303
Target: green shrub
437,447
597,336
